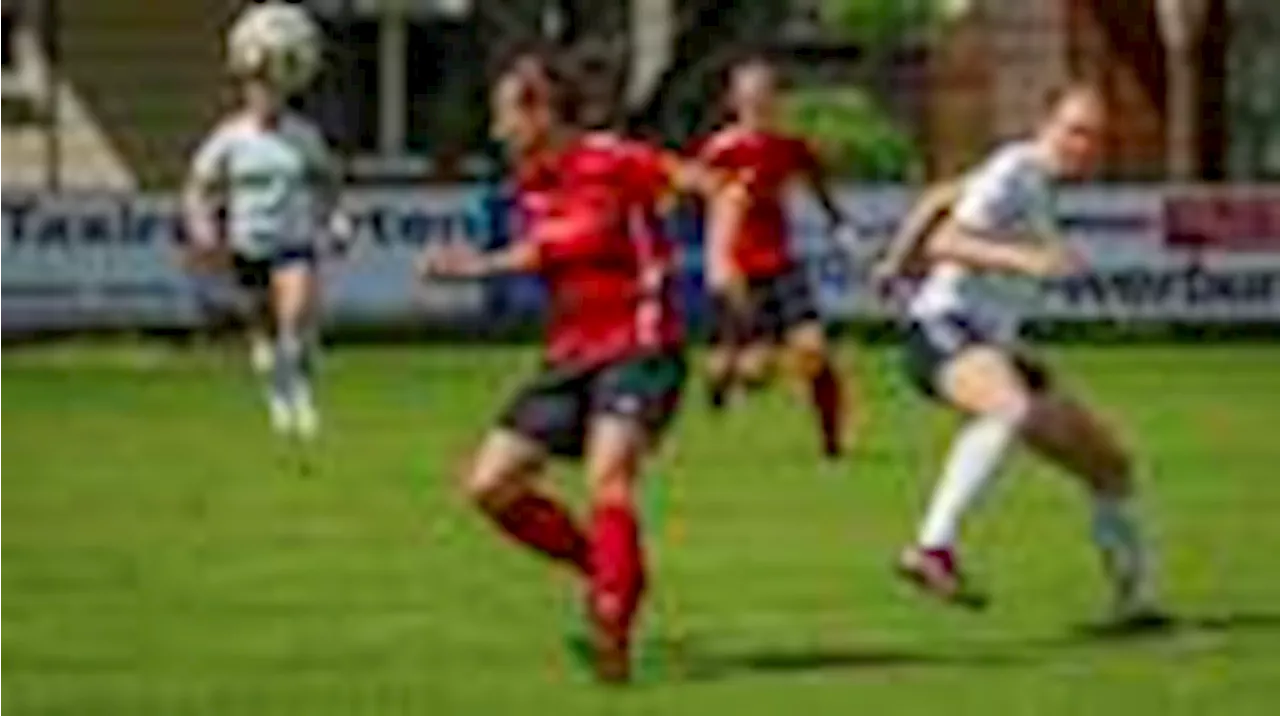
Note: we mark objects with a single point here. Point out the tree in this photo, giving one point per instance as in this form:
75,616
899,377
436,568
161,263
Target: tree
877,23
856,137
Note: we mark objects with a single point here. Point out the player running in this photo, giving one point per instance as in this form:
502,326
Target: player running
981,245
761,297
263,189
614,366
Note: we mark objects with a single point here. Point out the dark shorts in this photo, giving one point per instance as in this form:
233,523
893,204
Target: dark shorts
931,344
774,306
255,273
555,408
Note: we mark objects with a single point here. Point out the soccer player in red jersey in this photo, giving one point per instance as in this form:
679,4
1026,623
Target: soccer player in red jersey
614,365
761,299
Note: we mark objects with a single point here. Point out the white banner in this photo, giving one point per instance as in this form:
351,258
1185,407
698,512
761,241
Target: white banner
1156,254
89,261
101,261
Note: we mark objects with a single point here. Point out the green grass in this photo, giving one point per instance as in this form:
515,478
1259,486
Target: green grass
163,556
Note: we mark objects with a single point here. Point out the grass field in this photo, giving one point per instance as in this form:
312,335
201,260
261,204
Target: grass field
162,555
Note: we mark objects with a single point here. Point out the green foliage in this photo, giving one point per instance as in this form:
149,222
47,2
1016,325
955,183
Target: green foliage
858,139
875,23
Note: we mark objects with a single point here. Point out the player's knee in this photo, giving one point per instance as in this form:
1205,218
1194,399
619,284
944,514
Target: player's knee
807,351
753,367
611,485
613,461
720,364
492,481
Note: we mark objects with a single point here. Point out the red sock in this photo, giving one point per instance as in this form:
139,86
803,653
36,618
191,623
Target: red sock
546,526
617,565
828,401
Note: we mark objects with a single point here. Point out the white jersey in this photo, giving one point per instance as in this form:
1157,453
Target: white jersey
1010,195
271,177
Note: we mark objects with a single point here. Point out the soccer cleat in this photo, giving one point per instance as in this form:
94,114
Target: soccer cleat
718,398
261,354
936,572
306,417
610,641
281,414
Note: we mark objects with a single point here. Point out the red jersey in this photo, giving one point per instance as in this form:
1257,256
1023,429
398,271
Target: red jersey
766,162
593,213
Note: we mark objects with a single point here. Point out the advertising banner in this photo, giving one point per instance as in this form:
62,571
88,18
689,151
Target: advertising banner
111,260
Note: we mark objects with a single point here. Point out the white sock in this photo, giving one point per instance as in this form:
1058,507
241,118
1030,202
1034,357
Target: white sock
1115,531
976,454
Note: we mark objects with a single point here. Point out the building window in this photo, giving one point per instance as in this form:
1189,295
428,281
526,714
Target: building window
403,94
8,23
344,100
444,88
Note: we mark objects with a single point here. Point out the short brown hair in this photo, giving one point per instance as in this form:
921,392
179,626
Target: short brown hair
1071,88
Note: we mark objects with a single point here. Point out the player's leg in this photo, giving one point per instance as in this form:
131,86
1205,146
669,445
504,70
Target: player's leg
632,405
253,306
293,299
722,352
809,356
502,484
257,330
810,361
981,381
754,363
1066,432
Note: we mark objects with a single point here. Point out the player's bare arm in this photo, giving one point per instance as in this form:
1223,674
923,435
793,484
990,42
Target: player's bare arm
903,254
199,214
461,260
817,180
1049,256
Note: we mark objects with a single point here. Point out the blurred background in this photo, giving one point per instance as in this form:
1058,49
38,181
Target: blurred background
113,95
104,102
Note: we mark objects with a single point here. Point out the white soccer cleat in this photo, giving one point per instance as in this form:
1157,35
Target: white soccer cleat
281,413
261,354
305,416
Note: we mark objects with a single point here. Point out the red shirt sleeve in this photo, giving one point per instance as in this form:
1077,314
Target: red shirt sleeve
649,173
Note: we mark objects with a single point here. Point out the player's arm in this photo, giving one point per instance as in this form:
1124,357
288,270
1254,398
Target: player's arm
462,260
904,251
201,194
814,174
962,243
996,196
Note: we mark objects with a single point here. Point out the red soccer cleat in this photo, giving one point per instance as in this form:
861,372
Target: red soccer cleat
936,572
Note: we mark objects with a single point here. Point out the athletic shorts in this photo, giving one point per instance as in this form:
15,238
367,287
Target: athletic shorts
774,306
932,343
555,408
255,273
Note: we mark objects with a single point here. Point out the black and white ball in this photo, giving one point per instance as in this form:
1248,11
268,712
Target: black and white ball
277,41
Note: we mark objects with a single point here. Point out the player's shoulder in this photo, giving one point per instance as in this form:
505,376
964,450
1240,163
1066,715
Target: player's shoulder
721,140
610,148
1009,159
232,126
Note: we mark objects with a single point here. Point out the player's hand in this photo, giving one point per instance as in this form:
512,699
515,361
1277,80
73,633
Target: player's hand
727,283
449,260
205,254
1057,260
341,233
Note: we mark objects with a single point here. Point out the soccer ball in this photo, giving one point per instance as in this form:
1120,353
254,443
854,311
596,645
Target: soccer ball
277,41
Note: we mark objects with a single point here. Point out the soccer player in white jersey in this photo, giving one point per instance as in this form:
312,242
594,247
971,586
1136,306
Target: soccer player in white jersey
263,187
980,246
